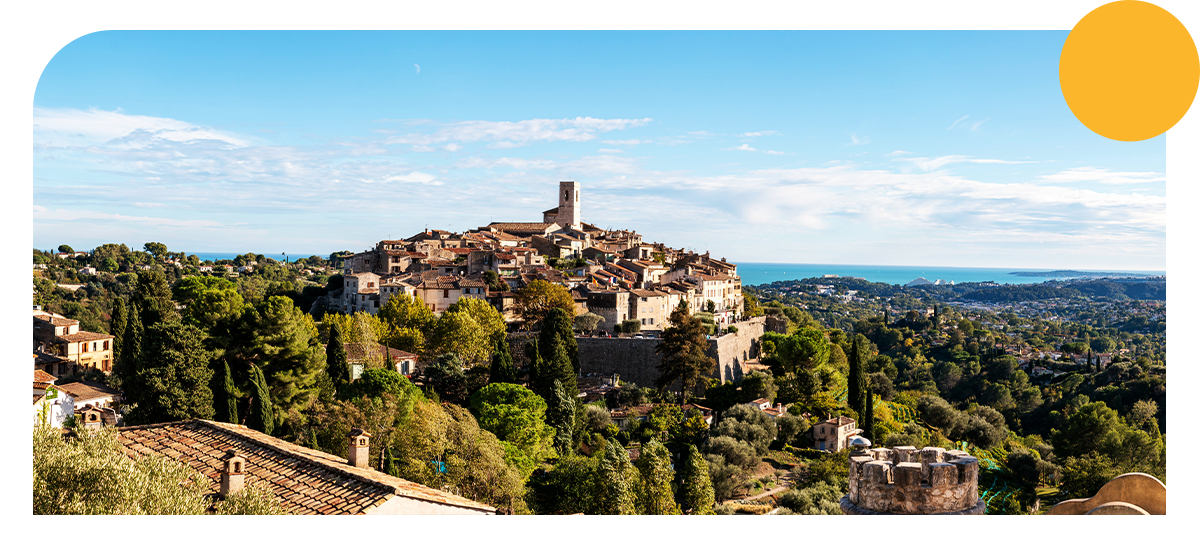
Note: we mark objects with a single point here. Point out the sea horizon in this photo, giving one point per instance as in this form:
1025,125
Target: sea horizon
758,273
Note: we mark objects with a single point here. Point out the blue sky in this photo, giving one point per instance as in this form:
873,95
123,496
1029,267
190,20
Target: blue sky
901,147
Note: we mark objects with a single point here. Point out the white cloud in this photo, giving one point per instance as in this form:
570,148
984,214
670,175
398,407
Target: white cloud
625,142
758,134
744,147
452,147
1103,176
602,150
771,152
976,126
506,134
510,162
963,118
149,205
898,152
79,128
414,178
855,140
927,164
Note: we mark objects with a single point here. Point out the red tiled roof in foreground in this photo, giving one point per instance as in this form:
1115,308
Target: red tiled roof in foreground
306,481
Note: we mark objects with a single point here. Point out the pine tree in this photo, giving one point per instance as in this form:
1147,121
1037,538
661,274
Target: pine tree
684,349
654,494
120,318
229,407
616,482
262,415
696,495
335,357
502,364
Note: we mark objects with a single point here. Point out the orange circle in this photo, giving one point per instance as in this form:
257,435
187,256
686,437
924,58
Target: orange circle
1129,70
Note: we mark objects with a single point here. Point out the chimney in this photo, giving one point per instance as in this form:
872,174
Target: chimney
360,448
234,474
88,417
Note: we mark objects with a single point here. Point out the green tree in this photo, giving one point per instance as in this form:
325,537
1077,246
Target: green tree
171,382
131,345
283,342
407,311
684,349
806,348
557,357
209,301
536,300
120,319
445,376
503,370
153,297
65,249
156,250
747,423
868,417
336,363
856,383
758,384
654,495
262,413
616,482
560,414
517,416
470,329
374,383
587,322
226,404
695,488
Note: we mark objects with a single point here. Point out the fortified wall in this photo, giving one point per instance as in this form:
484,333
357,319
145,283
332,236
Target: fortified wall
908,481
636,360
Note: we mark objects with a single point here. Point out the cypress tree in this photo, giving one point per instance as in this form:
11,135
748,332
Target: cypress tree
1090,361
335,357
502,364
229,408
885,318
696,495
854,397
869,417
560,414
654,494
131,345
120,318
262,415
617,479
557,331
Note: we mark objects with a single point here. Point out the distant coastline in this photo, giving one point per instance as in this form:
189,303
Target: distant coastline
1075,273
758,273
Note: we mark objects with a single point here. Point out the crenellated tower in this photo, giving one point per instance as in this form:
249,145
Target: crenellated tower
908,481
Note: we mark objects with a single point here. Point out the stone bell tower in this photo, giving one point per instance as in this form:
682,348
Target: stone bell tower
568,205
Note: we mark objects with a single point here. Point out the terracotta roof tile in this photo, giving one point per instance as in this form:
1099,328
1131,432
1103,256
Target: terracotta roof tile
82,336
306,481
88,391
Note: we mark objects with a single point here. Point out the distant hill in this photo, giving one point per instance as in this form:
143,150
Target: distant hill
1074,273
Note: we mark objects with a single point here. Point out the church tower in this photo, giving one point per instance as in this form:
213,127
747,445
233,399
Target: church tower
568,205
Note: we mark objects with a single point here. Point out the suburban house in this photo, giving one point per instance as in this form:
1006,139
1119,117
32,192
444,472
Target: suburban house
834,434
306,481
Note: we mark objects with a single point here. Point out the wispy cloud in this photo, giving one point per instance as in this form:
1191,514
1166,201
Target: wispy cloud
928,164
856,140
1103,176
758,134
976,126
625,142
743,147
505,134
963,118
898,152
75,127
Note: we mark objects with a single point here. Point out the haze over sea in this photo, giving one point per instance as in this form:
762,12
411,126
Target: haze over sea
758,273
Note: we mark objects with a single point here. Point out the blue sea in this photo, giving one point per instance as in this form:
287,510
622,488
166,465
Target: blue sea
757,273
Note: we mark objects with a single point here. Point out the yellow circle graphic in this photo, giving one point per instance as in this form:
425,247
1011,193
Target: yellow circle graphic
1129,70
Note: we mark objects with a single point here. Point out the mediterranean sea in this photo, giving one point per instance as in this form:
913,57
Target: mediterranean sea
758,273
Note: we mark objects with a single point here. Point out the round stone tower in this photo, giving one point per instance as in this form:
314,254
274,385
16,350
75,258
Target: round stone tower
908,481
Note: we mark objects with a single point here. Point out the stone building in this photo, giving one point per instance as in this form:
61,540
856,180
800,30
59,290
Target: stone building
908,481
75,351
834,434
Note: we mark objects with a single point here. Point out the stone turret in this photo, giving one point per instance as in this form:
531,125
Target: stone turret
908,481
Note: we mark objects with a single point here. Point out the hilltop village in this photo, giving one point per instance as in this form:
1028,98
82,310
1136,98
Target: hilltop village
555,367
611,273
